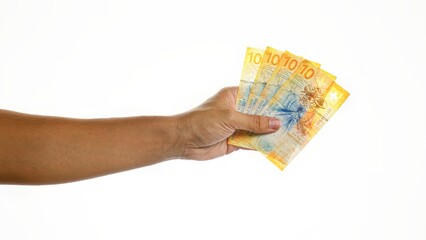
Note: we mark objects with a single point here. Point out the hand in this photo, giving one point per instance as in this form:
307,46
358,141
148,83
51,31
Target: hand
207,127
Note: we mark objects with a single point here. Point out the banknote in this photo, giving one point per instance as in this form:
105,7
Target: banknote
301,93
271,58
252,61
289,145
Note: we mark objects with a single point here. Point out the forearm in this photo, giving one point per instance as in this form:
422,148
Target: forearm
39,150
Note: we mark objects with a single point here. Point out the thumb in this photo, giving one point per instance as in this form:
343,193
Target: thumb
256,123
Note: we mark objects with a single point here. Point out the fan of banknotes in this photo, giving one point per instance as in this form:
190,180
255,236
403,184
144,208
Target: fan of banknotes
296,91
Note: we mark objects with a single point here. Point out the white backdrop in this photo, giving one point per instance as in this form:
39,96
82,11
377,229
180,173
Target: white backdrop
361,177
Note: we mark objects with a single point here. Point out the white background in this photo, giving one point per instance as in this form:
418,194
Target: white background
361,177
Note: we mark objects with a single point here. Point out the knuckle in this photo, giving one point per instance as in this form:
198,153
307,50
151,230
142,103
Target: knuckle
227,89
229,114
257,123
223,91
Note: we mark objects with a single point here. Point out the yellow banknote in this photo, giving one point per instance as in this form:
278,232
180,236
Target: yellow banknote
271,58
312,121
295,98
252,61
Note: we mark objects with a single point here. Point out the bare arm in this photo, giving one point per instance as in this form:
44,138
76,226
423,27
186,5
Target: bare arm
46,150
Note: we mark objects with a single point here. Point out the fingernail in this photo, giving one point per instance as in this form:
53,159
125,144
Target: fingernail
274,123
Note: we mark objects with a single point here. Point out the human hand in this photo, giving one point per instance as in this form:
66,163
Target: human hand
206,128
85,148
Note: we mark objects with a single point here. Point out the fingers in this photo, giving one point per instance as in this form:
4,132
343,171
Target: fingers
256,123
252,123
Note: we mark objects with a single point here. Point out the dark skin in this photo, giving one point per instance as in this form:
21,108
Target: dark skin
49,150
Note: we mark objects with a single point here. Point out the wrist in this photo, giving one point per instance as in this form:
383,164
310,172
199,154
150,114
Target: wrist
178,136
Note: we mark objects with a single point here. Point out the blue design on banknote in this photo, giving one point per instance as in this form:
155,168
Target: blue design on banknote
291,111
